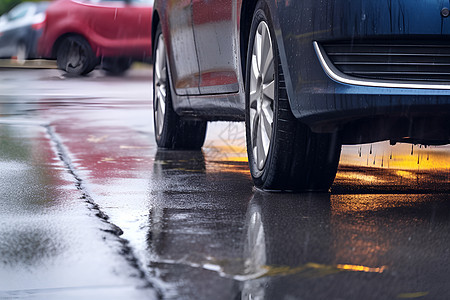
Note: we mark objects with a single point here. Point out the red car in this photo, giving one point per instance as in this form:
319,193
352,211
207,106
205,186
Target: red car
81,34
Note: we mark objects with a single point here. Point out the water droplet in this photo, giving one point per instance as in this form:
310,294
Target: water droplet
370,151
412,149
359,151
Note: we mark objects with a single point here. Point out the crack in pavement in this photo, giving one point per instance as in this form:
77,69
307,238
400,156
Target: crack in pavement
126,250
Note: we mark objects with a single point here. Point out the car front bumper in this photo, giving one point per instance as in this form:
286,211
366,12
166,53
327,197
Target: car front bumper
326,100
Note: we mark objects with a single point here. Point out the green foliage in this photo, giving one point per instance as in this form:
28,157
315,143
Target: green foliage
6,5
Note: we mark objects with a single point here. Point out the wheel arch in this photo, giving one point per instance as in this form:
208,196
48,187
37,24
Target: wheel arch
246,18
155,21
245,21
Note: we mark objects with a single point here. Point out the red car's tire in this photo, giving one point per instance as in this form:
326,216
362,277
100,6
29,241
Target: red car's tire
116,66
75,56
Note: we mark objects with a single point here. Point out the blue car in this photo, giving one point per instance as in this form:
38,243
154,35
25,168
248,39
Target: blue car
306,76
20,30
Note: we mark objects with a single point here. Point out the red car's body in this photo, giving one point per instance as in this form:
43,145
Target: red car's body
112,28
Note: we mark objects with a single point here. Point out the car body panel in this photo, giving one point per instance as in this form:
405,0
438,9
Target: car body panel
190,102
311,91
216,47
324,104
112,28
183,58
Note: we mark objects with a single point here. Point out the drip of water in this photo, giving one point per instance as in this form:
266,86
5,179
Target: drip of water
370,151
412,149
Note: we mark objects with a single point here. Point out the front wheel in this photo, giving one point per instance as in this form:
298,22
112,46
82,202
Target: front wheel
283,154
75,56
21,53
171,131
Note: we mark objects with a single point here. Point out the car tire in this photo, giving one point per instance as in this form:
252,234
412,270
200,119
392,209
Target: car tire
171,131
75,56
283,153
116,66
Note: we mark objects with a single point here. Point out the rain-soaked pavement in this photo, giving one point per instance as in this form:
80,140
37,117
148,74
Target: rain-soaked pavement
90,209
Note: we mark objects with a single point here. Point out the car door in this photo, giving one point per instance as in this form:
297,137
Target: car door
214,30
181,47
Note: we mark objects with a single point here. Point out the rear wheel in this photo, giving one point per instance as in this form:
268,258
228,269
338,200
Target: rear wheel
171,131
75,56
116,66
283,153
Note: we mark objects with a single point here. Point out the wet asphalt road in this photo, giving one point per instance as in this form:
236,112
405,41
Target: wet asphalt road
91,209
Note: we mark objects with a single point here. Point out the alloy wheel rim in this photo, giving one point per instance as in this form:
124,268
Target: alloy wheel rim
262,94
160,85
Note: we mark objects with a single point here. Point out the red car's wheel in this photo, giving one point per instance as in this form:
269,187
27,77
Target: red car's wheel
75,56
116,66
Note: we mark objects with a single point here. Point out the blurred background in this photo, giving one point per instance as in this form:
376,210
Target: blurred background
6,5
76,36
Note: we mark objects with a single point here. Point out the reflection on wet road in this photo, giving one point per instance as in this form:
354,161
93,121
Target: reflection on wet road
256,245
50,246
192,221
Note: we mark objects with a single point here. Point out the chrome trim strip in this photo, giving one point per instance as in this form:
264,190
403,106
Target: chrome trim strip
340,77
